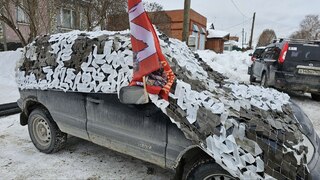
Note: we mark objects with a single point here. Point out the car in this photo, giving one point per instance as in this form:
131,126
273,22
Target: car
127,121
288,64
254,56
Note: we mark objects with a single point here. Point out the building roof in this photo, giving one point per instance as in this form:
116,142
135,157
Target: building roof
232,43
217,34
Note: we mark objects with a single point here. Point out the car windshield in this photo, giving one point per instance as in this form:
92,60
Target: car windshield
303,52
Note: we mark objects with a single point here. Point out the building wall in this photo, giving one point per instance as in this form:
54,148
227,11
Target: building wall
177,22
215,44
47,18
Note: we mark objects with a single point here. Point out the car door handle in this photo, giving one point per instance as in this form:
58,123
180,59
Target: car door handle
96,101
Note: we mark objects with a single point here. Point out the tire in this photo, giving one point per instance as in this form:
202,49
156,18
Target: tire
315,97
207,170
252,79
44,132
264,80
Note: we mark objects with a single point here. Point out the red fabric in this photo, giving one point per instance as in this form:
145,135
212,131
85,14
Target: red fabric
155,61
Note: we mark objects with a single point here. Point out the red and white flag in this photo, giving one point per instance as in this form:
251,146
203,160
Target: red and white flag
148,59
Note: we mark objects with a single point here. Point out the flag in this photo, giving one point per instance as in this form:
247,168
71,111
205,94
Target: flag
148,60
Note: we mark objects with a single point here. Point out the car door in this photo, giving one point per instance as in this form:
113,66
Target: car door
139,131
67,109
268,58
257,67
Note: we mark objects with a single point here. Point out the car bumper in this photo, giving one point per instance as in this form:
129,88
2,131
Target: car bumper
19,102
290,81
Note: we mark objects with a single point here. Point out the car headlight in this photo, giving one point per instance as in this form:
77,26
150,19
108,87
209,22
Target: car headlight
311,149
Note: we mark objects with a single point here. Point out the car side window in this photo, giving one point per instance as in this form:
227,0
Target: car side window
271,53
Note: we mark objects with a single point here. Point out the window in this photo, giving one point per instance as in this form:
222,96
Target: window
202,31
67,18
1,31
272,53
195,28
21,16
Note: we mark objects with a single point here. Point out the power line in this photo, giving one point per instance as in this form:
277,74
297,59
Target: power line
242,23
235,5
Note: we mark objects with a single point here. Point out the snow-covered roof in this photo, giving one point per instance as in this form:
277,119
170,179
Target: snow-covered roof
217,33
233,43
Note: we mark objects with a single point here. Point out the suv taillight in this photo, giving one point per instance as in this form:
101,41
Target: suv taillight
283,53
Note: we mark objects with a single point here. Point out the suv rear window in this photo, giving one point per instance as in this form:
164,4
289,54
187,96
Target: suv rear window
303,52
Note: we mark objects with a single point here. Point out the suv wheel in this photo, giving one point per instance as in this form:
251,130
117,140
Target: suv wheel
44,132
264,80
315,97
252,79
208,170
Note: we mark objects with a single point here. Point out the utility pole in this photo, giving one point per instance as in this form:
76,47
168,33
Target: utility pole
186,20
242,37
252,28
4,38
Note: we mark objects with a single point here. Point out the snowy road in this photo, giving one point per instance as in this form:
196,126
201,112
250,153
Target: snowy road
310,107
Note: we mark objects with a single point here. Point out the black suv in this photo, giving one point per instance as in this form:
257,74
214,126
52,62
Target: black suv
289,65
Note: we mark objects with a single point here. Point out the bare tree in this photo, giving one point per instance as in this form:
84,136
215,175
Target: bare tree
7,16
266,37
309,28
152,6
38,14
97,11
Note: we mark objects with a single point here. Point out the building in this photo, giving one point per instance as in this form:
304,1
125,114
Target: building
70,15
234,38
49,18
171,22
197,28
231,45
216,39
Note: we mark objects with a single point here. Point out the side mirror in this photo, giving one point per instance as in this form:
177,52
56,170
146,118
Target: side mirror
133,95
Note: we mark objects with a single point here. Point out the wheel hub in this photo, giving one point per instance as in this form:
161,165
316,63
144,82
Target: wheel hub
42,131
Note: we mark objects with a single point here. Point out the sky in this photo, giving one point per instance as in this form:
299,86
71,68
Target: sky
283,16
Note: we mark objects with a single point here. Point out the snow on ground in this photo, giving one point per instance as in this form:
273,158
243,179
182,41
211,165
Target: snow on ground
9,90
310,107
232,64
79,160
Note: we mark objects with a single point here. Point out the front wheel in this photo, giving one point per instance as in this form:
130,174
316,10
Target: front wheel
208,170
252,79
44,132
315,97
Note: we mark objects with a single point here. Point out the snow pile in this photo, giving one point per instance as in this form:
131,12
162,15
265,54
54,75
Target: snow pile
8,86
233,64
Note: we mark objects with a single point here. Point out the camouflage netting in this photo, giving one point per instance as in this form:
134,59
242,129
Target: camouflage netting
250,131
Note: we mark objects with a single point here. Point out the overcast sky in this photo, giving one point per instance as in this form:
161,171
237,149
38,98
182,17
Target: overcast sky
284,16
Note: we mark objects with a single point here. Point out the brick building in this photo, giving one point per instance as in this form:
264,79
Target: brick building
216,39
197,28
